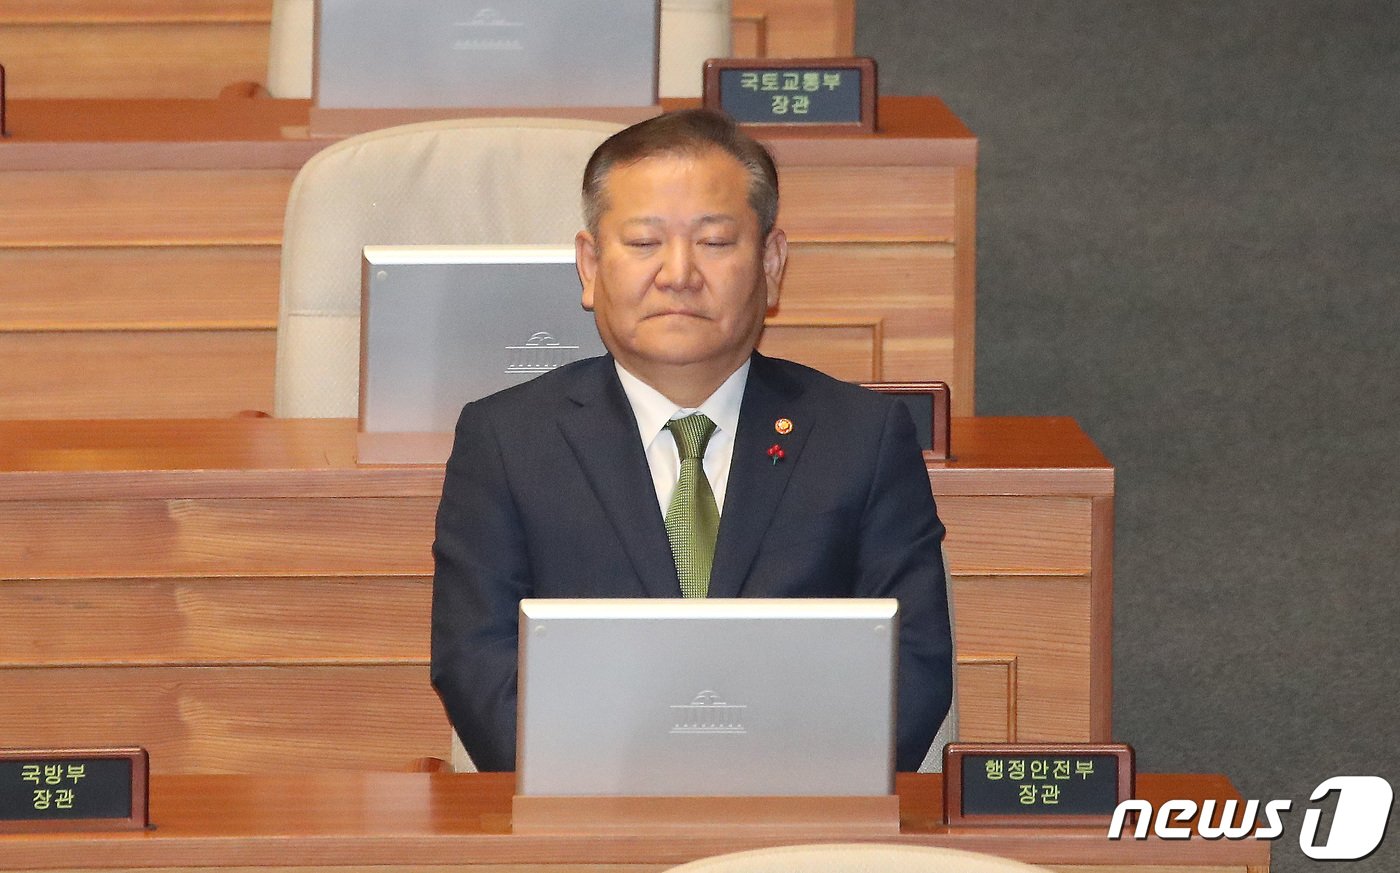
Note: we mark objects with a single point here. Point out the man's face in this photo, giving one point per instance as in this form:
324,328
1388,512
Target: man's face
679,276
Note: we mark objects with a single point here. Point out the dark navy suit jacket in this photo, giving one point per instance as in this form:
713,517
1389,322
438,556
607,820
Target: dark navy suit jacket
548,494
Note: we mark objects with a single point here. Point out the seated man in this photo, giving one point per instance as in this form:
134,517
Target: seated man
683,463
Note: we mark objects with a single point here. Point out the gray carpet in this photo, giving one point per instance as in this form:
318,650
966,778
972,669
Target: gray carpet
1188,225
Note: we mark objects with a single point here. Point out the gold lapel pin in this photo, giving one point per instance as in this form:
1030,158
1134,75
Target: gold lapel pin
783,426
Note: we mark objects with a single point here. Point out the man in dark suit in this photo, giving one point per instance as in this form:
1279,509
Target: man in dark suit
683,461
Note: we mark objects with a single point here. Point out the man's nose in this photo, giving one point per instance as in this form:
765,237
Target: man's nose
678,271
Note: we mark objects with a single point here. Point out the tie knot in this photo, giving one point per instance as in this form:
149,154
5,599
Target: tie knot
692,434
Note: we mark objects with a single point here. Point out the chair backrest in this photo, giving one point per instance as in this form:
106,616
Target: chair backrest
508,181
291,41
691,31
856,858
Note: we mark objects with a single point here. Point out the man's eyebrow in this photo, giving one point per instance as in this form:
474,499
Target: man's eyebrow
715,218
656,220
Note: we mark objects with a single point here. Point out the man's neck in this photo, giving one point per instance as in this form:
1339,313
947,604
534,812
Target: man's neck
687,385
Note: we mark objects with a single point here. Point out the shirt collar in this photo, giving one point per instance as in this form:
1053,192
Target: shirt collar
652,409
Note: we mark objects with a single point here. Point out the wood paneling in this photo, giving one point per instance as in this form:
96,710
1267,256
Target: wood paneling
132,48
402,822
147,374
1044,621
848,350
203,621
133,11
172,236
458,867
794,28
1017,534
603,868
748,35
143,208
134,59
139,288
882,204
964,284
232,719
986,698
1157,868
192,537
183,562
840,277
246,536
830,285
194,48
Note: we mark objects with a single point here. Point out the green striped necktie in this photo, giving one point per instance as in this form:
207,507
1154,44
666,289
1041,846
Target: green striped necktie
692,520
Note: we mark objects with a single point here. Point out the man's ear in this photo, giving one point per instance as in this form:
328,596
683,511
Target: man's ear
586,260
775,251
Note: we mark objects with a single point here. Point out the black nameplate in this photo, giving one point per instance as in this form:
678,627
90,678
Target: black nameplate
4,131
1035,784
817,94
73,789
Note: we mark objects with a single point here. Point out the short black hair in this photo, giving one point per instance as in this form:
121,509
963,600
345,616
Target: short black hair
685,132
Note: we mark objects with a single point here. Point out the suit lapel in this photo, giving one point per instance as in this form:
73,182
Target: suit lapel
756,483
602,432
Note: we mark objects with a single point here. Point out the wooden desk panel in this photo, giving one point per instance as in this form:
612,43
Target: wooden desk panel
223,578
133,48
194,48
120,207
270,620
143,226
234,718
161,372
401,822
793,28
135,288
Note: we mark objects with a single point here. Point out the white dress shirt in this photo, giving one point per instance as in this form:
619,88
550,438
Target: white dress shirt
653,411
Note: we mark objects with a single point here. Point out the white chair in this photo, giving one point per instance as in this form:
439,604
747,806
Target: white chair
290,42
510,181
691,32
502,180
856,858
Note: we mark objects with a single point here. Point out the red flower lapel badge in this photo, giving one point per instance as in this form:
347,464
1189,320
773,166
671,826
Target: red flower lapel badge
783,426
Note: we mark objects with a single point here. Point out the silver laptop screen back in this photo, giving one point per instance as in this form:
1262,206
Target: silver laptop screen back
393,54
444,325
707,697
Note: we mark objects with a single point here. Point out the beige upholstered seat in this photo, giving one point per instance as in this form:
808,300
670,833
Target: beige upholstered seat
691,31
502,181
856,858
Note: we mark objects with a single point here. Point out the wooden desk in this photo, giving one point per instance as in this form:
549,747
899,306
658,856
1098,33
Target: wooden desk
139,255
414,822
237,595
179,48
